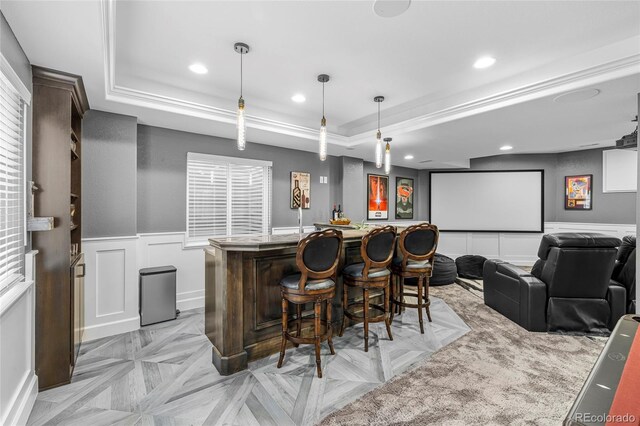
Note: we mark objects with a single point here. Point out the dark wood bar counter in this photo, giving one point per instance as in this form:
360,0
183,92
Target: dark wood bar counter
242,294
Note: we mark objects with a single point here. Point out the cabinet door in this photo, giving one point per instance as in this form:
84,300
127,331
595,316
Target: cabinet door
78,272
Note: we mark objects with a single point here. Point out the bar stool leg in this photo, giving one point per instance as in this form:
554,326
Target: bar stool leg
330,327
283,344
420,304
345,299
365,315
428,301
317,331
393,297
401,295
387,314
298,322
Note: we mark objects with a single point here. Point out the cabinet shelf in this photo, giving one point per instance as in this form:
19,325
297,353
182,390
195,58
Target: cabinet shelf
74,196
74,227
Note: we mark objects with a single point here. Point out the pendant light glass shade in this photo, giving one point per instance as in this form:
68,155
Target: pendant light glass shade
242,126
322,138
379,150
322,149
387,156
378,100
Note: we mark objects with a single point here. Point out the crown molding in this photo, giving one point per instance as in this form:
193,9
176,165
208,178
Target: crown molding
597,74
117,93
609,70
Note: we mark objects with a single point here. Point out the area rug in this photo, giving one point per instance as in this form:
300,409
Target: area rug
497,374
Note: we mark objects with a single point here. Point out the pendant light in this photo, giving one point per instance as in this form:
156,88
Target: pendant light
242,49
378,100
387,156
322,149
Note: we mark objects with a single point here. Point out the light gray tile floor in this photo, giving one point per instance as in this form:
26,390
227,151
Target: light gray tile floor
162,374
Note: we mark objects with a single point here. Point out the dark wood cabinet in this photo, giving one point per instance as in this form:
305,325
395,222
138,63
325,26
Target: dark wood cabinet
59,103
77,311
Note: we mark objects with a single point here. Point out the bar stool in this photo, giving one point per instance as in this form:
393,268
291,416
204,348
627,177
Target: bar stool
317,259
417,245
372,274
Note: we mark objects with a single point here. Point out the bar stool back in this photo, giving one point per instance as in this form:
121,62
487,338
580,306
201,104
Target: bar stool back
417,245
317,258
372,274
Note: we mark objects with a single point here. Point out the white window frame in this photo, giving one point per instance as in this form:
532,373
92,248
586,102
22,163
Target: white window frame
267,194
13,80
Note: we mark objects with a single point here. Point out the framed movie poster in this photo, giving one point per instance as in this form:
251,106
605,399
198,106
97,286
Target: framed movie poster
404,198
578,192
300,190
377,197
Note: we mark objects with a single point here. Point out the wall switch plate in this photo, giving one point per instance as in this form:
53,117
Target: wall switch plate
321,179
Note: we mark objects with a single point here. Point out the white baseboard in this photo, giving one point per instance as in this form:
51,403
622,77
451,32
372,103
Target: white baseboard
111,328
24,403
190,300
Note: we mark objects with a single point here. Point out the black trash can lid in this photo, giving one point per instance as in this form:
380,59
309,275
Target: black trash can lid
158,270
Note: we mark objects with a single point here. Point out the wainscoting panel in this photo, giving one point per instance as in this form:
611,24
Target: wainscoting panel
169,249
110,286
113,264
518,248
110,282
19,384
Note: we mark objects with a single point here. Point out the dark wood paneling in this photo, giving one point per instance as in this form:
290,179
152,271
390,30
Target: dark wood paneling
55,113
243,301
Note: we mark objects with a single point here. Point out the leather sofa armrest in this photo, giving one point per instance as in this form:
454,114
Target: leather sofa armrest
617,298
511,270
533,303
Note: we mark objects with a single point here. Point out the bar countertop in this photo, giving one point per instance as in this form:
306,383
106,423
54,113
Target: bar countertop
272,242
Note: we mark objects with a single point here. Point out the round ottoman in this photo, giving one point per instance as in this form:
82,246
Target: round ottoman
444,272
470,266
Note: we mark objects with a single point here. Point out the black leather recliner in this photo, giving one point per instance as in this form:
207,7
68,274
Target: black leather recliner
624,270
568,289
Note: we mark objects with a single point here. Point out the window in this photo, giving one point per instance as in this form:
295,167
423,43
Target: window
12,184
227,196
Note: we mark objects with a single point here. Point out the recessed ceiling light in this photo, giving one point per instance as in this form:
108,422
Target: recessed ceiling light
299,98
390,8
198,68
408,157
577,95
506,148
484,62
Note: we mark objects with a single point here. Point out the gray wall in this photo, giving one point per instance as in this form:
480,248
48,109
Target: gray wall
162,168
109,177
418,191
607,208
617,207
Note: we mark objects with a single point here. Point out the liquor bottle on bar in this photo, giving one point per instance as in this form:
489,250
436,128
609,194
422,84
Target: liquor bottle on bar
334,213
339,212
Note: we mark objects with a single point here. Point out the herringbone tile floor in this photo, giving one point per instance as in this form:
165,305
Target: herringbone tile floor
162,374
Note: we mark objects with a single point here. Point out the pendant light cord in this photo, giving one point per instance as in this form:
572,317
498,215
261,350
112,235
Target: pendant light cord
323,99
241,54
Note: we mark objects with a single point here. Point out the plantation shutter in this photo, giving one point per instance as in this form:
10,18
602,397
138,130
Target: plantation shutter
12,185
227,196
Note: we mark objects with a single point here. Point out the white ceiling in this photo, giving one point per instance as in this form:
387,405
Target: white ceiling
133,56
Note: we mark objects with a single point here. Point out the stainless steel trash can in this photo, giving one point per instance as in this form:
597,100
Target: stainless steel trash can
157,294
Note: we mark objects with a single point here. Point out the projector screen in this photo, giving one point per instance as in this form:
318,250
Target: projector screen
487,201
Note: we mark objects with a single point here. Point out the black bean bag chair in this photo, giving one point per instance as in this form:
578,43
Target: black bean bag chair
444,272
470,266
